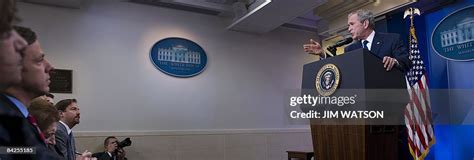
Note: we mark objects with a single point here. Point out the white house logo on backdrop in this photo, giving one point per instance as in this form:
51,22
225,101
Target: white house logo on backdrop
179,54
178,57
453,37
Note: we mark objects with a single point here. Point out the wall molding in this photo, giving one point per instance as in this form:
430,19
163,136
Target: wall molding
189,132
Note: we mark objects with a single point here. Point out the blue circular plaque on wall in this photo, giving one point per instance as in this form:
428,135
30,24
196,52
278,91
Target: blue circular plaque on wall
453,37
178,57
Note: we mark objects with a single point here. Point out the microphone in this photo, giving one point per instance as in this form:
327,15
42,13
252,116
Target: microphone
339,43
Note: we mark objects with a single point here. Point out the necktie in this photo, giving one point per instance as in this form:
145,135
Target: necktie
33,121
365,44
72,152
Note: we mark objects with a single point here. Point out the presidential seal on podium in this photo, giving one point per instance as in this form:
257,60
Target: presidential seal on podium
327,80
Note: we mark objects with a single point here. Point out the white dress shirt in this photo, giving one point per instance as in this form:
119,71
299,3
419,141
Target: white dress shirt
369,39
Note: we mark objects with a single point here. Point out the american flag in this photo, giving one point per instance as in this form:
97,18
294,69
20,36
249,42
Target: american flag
418,118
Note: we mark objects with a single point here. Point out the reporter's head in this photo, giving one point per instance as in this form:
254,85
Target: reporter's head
69,112
110,144
7,15
11,46
47,117
36,67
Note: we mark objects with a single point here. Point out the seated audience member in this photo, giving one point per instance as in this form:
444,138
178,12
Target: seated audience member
14,129
34,82
47,117
111,150
69,117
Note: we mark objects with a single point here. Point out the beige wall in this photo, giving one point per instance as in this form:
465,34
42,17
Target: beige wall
107,45
204,145
222,114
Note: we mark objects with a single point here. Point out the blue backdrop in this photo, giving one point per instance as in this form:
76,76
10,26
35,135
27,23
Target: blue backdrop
453,141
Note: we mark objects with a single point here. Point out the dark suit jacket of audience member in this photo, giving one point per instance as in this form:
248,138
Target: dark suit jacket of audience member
65,145
17,131
387,44
53,149
103,156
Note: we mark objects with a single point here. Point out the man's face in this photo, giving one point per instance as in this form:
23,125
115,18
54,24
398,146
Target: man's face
356,28
36,69
111,145
11,47
50,134
71,115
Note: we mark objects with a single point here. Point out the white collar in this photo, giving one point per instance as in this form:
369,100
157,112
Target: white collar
67,127
370,38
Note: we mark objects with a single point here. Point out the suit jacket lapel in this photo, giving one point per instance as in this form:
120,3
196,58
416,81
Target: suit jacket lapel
358,45
62,128
376,44
8,103
354,46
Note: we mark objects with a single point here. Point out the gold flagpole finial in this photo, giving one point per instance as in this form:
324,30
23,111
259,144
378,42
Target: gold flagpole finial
411,12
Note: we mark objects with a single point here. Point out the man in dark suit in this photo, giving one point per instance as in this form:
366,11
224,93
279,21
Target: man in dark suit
17,131
35,73
69,117
17,127
111,150
387,46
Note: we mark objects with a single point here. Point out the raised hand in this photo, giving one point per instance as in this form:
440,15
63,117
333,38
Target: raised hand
313,47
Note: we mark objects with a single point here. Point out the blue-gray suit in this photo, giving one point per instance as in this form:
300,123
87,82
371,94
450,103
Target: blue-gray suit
65,143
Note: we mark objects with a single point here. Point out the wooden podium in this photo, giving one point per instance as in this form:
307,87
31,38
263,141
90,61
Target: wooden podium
359,69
